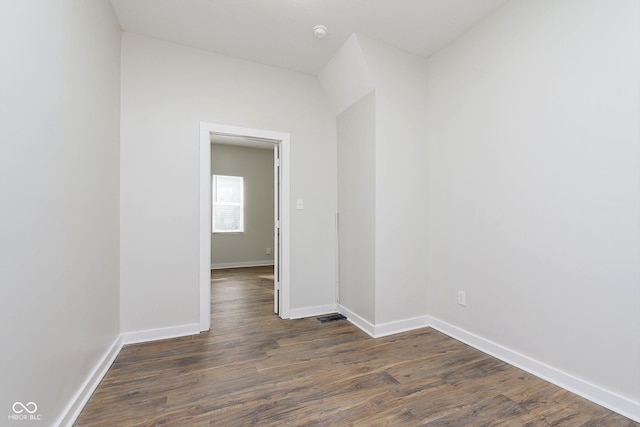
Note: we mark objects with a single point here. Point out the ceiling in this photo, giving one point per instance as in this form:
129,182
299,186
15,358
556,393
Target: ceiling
280,32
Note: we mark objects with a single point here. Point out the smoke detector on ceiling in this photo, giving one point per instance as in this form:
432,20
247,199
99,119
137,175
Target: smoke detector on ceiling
320,31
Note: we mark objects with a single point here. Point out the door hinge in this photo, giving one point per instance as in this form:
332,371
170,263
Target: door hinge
277,224
277,162
277,286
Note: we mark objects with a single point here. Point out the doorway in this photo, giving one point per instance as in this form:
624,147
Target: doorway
280,143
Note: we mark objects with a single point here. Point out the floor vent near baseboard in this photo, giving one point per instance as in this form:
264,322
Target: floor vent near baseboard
331,318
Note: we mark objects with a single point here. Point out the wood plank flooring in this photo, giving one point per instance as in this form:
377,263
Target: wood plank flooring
253,368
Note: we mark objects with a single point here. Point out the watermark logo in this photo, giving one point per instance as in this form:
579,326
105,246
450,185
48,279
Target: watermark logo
20,407
24,412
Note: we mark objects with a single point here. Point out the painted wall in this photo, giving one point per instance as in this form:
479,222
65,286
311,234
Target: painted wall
356,205
393,169
167,90
346,78
256,167
534,185
59,127
401,176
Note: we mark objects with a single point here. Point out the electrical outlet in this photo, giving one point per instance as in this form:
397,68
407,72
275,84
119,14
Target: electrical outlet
268,251
462,298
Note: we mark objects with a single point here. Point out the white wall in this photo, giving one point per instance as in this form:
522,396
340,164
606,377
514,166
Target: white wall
167,90
395,113
59,125
534,185
346,78
400,177
255,165
356,204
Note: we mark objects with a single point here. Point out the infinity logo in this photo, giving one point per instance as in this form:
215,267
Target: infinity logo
19,407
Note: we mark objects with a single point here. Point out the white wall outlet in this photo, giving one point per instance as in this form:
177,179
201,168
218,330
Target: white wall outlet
462,298
299,204
268,251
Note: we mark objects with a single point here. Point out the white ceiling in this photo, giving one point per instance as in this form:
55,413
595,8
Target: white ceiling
280,32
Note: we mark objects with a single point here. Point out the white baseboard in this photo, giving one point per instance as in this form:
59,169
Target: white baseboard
602,397
241,264
358,321
77,402
384,329
318,310
136,337
398,326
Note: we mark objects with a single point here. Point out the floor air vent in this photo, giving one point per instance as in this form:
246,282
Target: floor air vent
331,318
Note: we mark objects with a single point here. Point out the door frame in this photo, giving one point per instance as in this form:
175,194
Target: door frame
283,140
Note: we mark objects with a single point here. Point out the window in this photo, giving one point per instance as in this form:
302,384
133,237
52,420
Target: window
228,204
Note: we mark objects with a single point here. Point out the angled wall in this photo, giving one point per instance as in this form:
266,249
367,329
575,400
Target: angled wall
346,78
390,155
401,176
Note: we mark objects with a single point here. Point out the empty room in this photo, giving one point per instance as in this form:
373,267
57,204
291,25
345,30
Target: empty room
320,212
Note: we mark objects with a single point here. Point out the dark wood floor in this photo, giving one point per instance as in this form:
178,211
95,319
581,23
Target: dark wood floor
255,369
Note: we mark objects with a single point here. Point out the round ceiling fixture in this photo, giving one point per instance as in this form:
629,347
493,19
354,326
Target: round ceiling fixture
320,31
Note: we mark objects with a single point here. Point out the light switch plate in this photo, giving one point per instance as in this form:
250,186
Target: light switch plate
462,298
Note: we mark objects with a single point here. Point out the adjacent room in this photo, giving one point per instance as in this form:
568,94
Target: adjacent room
188,186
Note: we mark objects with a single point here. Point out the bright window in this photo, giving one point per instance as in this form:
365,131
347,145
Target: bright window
228,204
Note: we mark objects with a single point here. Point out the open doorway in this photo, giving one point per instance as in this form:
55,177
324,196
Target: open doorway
279,143
245,205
